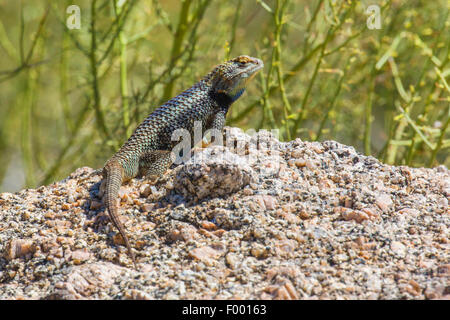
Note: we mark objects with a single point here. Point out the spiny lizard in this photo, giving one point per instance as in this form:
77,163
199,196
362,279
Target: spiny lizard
148,151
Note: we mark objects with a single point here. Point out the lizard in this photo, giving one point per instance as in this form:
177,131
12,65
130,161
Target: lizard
148,151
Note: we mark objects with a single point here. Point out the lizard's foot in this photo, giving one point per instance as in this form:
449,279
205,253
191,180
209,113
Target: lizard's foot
100,219
152,179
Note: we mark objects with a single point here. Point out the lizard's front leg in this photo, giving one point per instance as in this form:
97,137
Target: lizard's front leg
217,124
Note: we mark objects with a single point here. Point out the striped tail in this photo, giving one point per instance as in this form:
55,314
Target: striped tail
114,178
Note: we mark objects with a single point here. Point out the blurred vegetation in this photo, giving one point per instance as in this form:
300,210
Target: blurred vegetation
70,98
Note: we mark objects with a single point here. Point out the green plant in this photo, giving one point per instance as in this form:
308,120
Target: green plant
69,98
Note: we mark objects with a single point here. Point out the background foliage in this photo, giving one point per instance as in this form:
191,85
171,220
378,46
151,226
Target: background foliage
69,98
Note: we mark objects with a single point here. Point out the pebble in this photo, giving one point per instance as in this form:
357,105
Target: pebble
356,215
384,202
398,249
79,256
19,248
205,254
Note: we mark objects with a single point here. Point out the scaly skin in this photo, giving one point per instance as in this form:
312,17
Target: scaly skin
148,151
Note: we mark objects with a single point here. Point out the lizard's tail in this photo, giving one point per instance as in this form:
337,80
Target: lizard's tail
114,177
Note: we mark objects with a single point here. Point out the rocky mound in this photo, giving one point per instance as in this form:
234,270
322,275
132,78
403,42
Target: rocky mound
258,219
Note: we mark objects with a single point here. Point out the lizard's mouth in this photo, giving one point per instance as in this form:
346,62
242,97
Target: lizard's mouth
249,72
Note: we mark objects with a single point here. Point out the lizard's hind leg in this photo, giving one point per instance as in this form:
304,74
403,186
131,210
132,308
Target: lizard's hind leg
155,163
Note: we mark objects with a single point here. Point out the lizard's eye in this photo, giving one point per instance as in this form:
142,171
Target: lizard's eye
242,63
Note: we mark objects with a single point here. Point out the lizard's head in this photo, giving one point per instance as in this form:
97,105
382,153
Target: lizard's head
231,77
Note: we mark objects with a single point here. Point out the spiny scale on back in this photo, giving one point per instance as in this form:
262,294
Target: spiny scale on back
148,151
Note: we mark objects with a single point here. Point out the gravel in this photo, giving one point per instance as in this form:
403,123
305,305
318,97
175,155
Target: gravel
258,219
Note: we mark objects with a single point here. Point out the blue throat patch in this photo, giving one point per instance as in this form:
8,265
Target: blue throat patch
237,95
